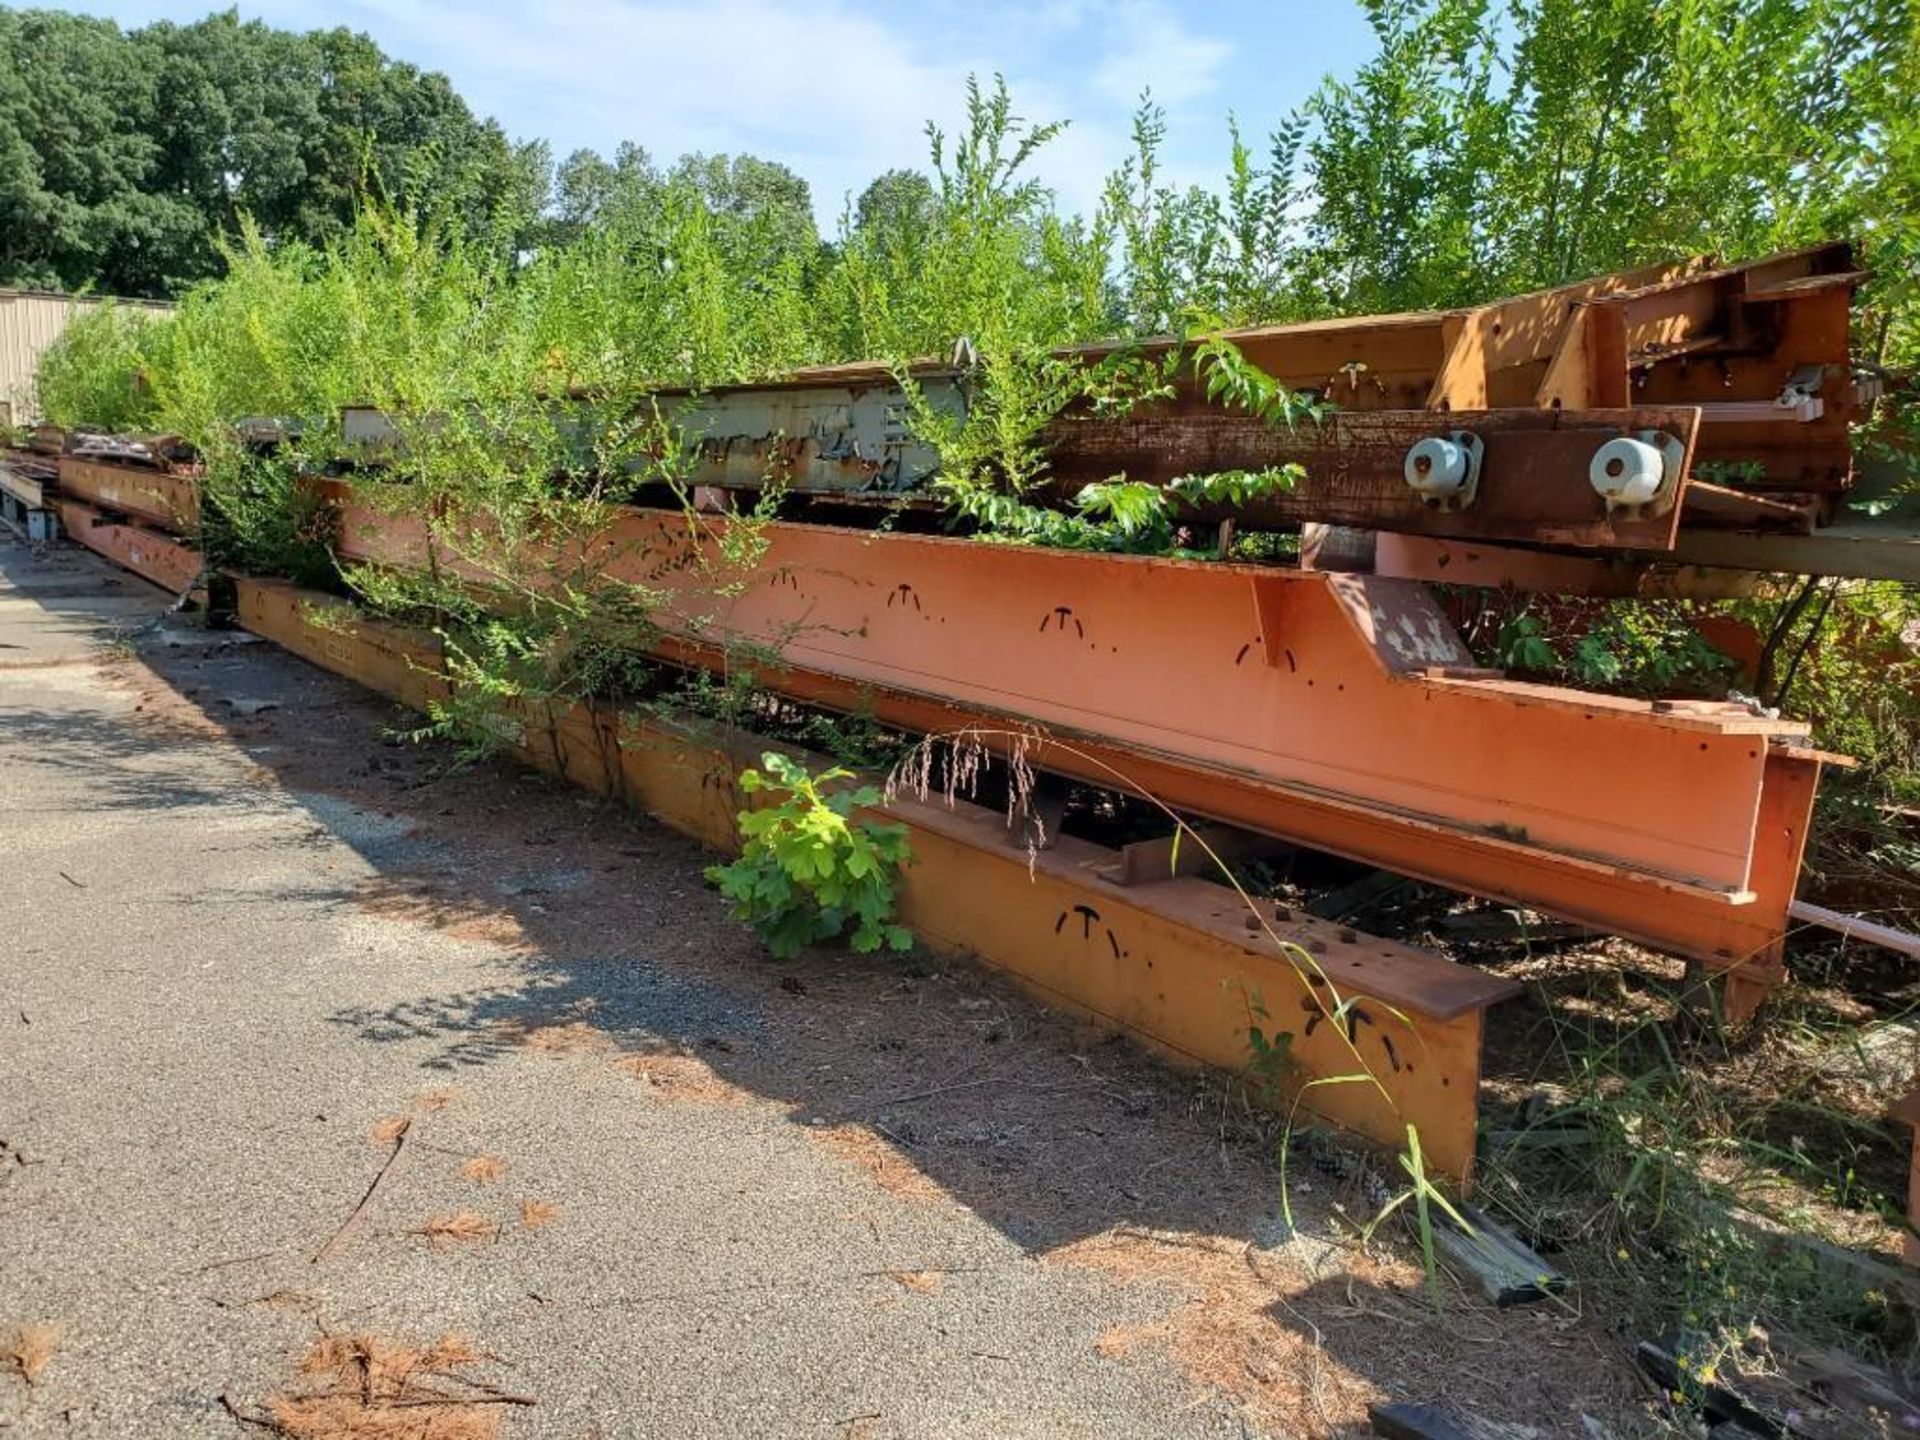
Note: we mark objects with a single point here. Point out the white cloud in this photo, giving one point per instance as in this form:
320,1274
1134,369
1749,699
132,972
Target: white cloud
1152,48
836,89
832,91
839,92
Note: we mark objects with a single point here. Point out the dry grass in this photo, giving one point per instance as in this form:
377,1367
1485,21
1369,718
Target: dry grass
390,1129
860,1147
482,1169
535,1213
366,1387
1223,1332
672,1075
29,1348
573,1037
462,1227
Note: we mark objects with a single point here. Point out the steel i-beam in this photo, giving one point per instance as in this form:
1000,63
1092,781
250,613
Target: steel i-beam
1180,963
1338,711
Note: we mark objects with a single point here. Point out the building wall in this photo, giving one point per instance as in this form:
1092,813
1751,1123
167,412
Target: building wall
29,322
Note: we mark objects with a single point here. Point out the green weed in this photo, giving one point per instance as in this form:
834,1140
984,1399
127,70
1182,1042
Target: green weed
809,870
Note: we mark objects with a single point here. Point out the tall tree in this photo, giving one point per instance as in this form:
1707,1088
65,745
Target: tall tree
761,195
590,190
124,156
1490,148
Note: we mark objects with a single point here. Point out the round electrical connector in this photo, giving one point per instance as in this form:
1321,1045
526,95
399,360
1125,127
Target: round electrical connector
1626,471
1438,468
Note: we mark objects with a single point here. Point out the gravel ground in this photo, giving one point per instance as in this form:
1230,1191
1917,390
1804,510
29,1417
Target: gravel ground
245,924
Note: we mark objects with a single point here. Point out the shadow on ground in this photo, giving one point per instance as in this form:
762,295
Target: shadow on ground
1046,1127
934,1079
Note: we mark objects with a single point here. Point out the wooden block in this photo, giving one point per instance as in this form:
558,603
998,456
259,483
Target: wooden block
1509,1272
1722,1404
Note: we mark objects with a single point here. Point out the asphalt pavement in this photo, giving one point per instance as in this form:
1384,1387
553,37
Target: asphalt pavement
221,971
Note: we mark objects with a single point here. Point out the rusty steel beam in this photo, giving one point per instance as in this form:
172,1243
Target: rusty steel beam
1181,964
28,477
169,501
1732,935
1533,482
1549,572
1746,365
152,556
1703,565
1338,711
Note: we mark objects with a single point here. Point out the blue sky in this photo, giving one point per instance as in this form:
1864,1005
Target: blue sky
839,90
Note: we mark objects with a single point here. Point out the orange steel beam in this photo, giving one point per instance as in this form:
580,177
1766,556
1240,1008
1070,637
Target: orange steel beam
1546,572
1338,711
169,501
1181,964
159,558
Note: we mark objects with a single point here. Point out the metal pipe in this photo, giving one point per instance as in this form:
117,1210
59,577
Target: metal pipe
1854,928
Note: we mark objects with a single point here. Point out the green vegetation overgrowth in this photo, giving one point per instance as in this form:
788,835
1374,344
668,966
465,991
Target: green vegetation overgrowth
1483,149
1480,151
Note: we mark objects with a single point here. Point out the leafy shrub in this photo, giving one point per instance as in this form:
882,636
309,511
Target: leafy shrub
1630,647
808,871
92,376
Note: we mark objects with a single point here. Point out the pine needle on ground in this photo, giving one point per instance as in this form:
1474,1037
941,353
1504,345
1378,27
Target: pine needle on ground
460,1227
535,1213
28,1349
368,1387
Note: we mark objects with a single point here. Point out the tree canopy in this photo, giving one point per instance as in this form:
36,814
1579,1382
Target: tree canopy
125,156
1486,147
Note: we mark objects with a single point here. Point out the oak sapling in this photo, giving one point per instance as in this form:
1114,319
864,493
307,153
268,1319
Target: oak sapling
809,871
